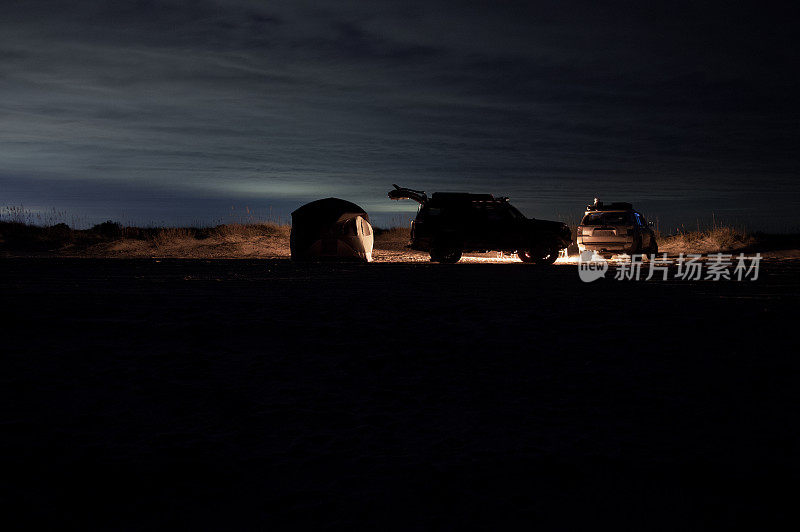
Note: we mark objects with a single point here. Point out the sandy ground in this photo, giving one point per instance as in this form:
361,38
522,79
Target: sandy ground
387,249
269,241
257,394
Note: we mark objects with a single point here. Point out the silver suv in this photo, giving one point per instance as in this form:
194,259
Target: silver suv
615,228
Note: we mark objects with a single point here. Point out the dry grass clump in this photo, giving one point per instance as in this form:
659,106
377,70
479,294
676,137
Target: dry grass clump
238,231
392,238
113,239
228,240
19,236
171,236
716,240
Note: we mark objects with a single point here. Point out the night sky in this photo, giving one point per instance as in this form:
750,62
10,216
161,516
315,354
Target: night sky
174,112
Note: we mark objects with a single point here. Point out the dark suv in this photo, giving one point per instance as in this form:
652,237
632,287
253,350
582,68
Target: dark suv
449,224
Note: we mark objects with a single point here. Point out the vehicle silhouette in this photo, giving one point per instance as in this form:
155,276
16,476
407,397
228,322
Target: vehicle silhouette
449,224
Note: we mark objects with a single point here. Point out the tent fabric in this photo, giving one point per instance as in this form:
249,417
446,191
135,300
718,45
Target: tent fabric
326,211
331,229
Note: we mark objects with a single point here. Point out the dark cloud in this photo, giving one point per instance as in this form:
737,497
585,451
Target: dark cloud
684,108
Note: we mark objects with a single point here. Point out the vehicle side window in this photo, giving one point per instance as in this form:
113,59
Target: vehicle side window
365,227
514,212
496,213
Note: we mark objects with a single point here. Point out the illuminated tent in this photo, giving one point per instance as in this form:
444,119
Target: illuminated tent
331,229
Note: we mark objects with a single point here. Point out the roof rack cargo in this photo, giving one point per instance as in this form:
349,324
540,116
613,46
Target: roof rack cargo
616,206
461,196
419,196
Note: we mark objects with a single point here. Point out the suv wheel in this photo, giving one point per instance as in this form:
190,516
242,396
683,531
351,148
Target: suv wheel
447,256
636,248
446,248
540,256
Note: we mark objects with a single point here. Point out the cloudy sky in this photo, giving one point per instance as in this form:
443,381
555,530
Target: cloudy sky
158,111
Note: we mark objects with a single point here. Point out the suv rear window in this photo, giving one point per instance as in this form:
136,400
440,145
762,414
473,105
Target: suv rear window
607,218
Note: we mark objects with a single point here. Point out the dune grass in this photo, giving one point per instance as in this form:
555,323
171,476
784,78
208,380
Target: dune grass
22,233
713,240
394,238
113,239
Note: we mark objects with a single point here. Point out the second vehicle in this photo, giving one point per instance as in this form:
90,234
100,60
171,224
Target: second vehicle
615,228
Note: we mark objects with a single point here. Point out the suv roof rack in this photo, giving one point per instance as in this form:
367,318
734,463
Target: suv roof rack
616,206
462,196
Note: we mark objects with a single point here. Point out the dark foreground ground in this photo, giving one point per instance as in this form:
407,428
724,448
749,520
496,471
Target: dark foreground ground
246,395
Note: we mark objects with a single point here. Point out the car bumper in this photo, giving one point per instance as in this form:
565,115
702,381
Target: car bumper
606,244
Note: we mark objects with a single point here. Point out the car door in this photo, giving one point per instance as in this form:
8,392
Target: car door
474,225
501,230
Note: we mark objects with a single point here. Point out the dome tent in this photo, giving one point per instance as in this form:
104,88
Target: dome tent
331,229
